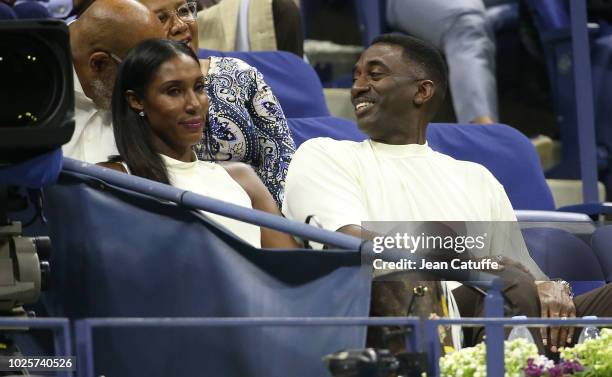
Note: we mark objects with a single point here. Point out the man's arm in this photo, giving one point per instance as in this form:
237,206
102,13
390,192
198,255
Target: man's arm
321,181
358,231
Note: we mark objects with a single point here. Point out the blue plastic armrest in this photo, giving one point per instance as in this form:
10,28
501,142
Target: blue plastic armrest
590,209
523,215
564,34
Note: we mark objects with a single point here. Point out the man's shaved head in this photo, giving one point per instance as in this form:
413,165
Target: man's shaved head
108,27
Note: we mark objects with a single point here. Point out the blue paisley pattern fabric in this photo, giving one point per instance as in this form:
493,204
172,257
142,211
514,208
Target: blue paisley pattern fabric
246,123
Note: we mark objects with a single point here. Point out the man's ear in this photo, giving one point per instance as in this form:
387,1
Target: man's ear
425,92
134,102
98,61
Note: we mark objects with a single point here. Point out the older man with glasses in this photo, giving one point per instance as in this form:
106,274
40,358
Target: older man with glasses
99,39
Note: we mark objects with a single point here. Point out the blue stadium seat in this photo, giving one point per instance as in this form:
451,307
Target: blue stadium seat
507,153
558,253
552,21
7,12
295,83
601,242
553,24
372,19
31,10
303,129
550,14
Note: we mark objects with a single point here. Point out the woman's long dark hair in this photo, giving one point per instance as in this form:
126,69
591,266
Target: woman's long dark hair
132,132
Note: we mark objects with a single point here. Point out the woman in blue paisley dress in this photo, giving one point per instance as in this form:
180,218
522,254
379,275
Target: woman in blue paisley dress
245,120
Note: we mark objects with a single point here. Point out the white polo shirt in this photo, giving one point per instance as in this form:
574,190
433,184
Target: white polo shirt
93,139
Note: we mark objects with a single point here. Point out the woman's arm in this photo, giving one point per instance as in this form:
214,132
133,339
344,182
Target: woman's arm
262,200
112,165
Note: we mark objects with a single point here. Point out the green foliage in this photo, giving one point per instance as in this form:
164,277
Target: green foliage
471,362
594,354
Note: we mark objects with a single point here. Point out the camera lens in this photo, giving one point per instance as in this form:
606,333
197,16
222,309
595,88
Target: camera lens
29,75
36,90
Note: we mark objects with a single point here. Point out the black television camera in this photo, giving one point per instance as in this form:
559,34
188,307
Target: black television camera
373,362
36,117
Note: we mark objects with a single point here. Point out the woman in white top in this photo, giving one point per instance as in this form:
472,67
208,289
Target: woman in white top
245,120
159,110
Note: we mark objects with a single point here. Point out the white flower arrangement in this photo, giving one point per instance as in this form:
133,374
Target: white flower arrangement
471,362
593,358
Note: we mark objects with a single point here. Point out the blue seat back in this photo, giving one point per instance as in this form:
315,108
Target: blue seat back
117,253
591,61
31,10
308,10
563,255
371,15
601,242
303,129
507,153
549,15
552,21
7,12
295,83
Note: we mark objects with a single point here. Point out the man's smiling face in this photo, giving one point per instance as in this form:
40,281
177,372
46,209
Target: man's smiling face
384,86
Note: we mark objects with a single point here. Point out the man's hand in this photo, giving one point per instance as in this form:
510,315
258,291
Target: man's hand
556,302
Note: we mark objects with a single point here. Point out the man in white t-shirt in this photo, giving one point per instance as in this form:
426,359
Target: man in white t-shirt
99,39
399,83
